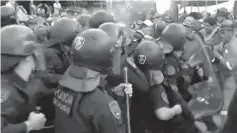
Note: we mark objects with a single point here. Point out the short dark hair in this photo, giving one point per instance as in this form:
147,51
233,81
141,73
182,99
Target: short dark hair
210,20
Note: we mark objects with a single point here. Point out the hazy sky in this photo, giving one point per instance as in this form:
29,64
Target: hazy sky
163,5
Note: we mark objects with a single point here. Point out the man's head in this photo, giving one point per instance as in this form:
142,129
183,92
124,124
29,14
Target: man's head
227,30
41,33
190,23
209,24
222,14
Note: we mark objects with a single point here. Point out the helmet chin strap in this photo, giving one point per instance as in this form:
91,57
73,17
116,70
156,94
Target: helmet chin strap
25,67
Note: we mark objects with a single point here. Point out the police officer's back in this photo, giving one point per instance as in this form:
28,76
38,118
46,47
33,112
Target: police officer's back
81,104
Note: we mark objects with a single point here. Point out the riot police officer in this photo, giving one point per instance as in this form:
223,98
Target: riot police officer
57,58
60,37
81,104
18,88
175,83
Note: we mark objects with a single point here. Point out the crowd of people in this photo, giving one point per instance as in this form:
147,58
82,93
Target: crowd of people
67,71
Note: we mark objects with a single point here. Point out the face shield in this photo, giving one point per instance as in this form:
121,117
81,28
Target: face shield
25,67
33,63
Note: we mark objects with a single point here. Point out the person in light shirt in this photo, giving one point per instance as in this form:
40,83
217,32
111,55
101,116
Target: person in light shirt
57,7
209,29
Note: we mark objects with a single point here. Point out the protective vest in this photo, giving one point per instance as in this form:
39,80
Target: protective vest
74,114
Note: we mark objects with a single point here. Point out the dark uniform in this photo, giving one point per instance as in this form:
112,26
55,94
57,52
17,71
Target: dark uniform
57,59
175,83
81,105
229,126
57,55
142,114
18,97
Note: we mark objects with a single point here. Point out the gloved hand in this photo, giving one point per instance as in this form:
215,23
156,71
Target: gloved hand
177,109
122,89
35,121
156,77
171,70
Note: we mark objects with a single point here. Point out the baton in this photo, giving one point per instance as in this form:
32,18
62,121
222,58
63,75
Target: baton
127,101
117,56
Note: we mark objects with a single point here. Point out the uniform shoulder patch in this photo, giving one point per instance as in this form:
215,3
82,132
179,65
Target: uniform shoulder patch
4,95
164,97
78,42
131,62
115,110
142,59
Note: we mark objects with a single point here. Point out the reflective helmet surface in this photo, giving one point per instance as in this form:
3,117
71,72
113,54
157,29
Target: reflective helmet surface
93,49
112,29
17,40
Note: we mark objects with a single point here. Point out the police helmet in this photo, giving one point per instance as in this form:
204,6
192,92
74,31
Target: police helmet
99,18
222,12
84,20
17,42
149,54
189,21
112,29
93,49
63,30
174,34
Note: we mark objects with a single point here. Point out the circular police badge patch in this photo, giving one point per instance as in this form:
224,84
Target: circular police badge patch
115,110
4,95
141,59
78,42
164,97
